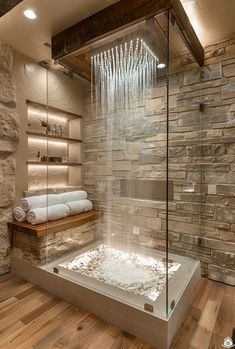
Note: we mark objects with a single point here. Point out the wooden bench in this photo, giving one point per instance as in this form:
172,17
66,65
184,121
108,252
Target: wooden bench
43,229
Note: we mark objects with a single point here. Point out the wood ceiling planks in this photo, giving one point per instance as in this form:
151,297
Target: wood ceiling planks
187,31
7,5
119,15
110,20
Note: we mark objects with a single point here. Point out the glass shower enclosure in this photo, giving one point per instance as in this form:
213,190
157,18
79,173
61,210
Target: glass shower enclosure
118,140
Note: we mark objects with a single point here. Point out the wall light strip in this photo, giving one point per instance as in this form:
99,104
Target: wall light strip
43,114
43,166
47,141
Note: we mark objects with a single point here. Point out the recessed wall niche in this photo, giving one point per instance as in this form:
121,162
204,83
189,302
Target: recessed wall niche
54,147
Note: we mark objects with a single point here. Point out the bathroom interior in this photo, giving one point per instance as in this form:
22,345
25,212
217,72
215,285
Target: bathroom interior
117,152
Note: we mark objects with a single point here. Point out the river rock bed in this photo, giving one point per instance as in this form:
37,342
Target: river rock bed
132,272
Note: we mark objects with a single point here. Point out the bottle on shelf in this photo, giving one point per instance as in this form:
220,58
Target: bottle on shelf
38,156
53,129
58,130
48,129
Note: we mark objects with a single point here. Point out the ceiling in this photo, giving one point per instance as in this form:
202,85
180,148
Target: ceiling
212,20
28,37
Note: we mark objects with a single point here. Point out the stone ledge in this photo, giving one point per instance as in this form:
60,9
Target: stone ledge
44,249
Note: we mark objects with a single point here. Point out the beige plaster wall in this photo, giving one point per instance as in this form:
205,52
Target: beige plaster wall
35,83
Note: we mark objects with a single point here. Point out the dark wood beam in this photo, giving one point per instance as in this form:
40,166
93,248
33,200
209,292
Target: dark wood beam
187,31
122,15
74,63
119,15
7,5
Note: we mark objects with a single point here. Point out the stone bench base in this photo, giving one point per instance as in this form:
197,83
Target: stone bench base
38,250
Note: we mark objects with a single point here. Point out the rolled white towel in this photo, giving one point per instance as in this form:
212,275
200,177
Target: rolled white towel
19,214
74,195
51,199
50,213
32,202
76,207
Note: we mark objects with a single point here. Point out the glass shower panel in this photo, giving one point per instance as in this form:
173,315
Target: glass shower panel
129,101
64,154
31,93
31,90
184,170
124,168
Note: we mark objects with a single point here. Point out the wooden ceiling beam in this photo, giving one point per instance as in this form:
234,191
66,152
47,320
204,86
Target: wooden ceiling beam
112,18
7,5
77,66
121,15
187,32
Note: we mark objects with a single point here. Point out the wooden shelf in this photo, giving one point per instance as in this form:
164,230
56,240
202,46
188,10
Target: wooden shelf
53,110
42,135
49,163
43,229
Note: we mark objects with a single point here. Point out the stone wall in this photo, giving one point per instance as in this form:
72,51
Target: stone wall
201,164
41,250
203,144
9,136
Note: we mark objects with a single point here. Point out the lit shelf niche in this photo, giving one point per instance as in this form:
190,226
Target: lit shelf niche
54,147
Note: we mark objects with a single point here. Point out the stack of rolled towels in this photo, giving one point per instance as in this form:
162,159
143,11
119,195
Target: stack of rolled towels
43,208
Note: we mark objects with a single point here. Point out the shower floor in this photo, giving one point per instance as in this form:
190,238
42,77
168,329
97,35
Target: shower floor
133,275
133,272
127,289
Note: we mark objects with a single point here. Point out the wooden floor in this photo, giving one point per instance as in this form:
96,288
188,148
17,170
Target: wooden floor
33,318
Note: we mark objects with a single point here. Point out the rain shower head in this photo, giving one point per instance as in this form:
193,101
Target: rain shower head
134,49
123,74
131,56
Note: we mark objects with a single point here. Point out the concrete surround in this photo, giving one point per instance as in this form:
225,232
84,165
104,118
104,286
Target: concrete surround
9,137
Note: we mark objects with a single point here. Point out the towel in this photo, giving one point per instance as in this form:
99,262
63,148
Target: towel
74,195
50,213
51,199
32,202
19,214
80,206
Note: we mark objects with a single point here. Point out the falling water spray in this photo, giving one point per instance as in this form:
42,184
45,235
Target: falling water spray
122,77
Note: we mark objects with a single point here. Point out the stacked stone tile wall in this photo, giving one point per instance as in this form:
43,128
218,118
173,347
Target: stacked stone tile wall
201,164
202,152
9,136
41,250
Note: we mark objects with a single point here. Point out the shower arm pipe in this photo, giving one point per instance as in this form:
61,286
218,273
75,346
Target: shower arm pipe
119,16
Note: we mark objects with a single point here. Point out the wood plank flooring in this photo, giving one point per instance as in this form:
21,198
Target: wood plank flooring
32,318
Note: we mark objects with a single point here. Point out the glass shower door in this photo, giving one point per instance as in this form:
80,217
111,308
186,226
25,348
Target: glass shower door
184,170
63,157
123,154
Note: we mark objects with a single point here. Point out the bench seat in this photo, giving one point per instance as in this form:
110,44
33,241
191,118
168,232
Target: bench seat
43,229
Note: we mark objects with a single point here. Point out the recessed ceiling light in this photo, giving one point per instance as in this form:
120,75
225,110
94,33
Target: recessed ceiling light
30,14
161,66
